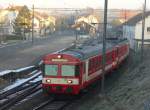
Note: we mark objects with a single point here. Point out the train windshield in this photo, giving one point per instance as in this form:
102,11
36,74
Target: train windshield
70,70
51,70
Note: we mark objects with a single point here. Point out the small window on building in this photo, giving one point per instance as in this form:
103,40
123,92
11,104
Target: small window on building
148,29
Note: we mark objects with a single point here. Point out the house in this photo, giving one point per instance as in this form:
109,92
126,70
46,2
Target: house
125,15
132,29
88,24
85,28
43,23
7,18
90,19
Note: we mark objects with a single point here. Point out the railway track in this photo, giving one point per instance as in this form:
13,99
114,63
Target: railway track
51,103
54,104
17,92
63,102
30,86
22,84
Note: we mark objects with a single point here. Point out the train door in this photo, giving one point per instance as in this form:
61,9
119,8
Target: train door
86,69
114,57
83,73
117,55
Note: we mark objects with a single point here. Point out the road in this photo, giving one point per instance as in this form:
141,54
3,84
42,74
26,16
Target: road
26,54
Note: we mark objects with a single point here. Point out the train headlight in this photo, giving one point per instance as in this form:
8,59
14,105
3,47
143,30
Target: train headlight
114,63
48,81
69,81
59,56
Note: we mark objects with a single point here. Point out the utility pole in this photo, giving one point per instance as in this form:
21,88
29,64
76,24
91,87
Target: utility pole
125,17
76,28
0,29
143,29
104,48
24,28
33,24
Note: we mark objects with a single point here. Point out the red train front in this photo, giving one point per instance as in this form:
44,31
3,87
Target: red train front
69,71
61,74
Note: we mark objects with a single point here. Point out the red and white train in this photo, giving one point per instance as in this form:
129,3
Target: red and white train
72,70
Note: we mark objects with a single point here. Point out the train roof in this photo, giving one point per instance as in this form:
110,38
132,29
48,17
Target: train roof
91,48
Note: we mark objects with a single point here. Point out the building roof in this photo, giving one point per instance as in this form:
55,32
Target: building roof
40,15
14,8
127,14
134,20
79,24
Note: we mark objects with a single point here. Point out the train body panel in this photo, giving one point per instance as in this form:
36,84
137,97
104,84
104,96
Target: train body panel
72,70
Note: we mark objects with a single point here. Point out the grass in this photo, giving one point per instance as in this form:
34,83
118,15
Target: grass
13,37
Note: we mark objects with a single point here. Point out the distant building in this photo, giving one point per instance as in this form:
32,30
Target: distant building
125,15
132,29
88,24
7,19
44,23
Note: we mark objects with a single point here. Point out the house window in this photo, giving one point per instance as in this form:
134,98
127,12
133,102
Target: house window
148,29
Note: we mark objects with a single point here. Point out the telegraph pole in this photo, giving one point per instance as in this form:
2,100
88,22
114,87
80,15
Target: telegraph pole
33,24
104,48
76,28
143,29
24,28
0,30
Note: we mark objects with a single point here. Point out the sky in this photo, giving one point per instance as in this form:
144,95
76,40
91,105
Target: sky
117,4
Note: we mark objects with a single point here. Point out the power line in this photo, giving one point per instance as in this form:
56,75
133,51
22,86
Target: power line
78,9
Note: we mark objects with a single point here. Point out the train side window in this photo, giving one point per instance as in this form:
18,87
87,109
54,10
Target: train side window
90,66
93,65
109,58
84,68
97,62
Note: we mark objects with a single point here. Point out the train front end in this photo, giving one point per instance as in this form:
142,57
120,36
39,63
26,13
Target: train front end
61,74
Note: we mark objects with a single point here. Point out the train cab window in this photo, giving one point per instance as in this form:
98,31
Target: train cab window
70,70
51,70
